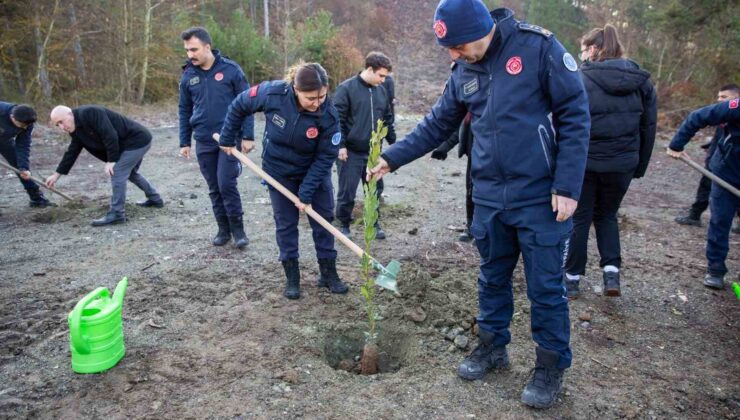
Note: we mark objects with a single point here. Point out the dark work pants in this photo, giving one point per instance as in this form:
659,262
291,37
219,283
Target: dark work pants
7,150
469,206
601,197
723,205
286,219
350,174
220,172
501,235
127,168
702,198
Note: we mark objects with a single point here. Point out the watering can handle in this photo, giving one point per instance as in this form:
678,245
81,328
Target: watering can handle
78,341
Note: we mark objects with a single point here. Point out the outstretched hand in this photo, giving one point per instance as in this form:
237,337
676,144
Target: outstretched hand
378,171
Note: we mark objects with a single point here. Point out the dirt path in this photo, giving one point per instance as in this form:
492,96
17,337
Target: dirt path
231,346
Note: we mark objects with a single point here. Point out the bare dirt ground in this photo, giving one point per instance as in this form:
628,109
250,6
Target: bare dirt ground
208,333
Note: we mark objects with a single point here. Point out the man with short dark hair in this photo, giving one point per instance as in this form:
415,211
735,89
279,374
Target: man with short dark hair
701,203
531,127
209,83
16,125
725,163
361,101
118,141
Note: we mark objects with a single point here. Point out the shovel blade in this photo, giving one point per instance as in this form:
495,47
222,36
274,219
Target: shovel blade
387,276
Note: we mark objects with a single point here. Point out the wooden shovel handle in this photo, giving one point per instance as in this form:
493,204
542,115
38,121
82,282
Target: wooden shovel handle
38,181
292,197
710,175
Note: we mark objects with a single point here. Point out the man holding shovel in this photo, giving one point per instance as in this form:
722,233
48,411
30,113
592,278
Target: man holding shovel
531,128
16,125
725,164
116,140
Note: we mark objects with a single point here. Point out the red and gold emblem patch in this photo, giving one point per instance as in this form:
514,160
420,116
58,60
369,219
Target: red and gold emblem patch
440,29
219,76
312,133
514,66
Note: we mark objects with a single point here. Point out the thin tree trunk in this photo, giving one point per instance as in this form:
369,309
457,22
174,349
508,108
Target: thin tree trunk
266,6
147,38
42,73
76,45
124,95
253,11
16,64
286,31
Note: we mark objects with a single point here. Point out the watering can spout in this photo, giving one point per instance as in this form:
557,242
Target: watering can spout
120,291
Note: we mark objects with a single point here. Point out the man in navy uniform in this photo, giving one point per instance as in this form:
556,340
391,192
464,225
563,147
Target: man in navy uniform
531,126
725,163
209,83
16,125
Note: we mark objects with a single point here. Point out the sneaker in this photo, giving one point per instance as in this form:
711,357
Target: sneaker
345,230
611,284
714,282
379,232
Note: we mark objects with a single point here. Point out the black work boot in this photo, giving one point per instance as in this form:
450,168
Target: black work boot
484,358
329,277
611,284
572,288
545,382
224,231
379,232
236,224
465,236
689,219
37,199
110,218
151,203
293,279
714,282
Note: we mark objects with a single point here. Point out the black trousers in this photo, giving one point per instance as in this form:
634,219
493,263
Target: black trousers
601,197
469,206
7,150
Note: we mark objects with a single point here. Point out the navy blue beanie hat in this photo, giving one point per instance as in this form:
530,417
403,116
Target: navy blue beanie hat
458,22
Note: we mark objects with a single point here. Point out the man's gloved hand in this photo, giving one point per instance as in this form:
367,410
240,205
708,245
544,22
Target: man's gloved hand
439,155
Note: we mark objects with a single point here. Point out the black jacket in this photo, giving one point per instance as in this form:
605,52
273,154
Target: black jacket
463,136
360,106
103,133
623,116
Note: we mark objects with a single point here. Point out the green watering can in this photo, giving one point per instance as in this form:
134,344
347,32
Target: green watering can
96,330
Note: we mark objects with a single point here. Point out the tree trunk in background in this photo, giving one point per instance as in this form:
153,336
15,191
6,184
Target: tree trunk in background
253,11
286,31
267,18
76,45
125,76
42,74
16,64
147,38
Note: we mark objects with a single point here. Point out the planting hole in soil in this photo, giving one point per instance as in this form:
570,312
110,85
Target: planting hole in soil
343,349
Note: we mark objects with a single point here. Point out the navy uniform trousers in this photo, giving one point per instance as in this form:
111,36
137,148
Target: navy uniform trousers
221,172
501,235
286,216
7,150
723,206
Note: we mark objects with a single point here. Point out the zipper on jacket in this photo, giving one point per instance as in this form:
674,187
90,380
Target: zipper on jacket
496,156
372,112
545,150
292,129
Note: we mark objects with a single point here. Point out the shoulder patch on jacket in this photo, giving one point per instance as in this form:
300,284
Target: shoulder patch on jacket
734,103
536,29
253,91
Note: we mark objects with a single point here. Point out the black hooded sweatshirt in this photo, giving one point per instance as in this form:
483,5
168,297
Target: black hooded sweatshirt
623,116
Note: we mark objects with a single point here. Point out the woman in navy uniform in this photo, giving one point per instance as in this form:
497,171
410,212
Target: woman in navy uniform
300,145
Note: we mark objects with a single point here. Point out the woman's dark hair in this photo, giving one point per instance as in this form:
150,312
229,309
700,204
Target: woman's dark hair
24,114
307,77
198,32
606,42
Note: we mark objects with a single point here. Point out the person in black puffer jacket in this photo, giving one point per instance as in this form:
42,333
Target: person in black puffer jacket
623,109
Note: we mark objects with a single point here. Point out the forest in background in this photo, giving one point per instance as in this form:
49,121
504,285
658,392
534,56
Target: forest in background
130,52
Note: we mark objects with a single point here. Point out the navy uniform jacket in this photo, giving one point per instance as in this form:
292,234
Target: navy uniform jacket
530,118
103,133
205,96
725,160
8,131
297,145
